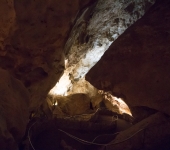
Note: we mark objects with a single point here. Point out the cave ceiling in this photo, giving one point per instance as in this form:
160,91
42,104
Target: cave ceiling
41,39
32,38
94,30
139,62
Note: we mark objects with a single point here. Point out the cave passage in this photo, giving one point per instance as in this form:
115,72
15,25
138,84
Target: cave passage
81,132
77,121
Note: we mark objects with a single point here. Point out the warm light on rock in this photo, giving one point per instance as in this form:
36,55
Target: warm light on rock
111,102
56,54
62,85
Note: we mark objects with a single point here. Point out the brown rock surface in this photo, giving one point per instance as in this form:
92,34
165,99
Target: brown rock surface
82,86
137,64
7,21
14,101
74,104
33,34
32,38
150,134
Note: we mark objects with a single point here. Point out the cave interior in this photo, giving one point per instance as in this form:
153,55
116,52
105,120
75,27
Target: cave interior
91,74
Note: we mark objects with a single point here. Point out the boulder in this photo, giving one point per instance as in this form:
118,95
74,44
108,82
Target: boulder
14,115
136,66
74,104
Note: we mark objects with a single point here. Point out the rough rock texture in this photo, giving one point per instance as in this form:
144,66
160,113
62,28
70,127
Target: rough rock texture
106,100
32,38
14,101
153,133
137,64
73,104
141,112
82,86
96,27
33,34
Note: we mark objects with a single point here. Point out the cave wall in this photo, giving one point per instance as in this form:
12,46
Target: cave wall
96,27
151,133
32,38
14,112
136,66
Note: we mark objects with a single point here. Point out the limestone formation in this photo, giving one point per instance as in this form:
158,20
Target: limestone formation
95,28
32,39
41,40
14,101
136,66
108,101
73,104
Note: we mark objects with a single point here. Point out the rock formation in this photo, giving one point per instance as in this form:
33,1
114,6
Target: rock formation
14,101
137,64
95,28
42,40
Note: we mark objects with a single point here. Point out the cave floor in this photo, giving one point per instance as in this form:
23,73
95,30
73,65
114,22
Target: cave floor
52,135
